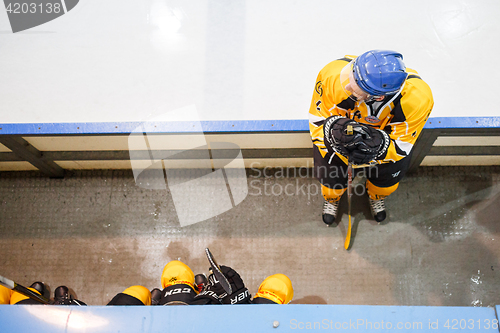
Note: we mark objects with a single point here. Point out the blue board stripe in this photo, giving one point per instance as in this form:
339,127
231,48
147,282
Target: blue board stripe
239,126
163,127
463,122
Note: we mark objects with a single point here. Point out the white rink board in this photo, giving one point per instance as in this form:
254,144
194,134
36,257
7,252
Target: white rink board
118,61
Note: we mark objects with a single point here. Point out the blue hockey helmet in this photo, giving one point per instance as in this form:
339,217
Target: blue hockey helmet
380,72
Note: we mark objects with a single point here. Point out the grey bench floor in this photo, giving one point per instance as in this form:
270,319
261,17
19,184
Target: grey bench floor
98,233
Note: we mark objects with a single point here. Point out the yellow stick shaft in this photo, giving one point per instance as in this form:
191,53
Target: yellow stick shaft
349,196
348,236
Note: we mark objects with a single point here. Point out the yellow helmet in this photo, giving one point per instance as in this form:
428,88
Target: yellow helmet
176,272
141,293
277,288
5,295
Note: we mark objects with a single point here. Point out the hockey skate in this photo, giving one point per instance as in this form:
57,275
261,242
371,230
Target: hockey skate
330,209
378,209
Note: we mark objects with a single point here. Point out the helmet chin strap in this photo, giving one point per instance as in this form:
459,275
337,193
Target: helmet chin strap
370,98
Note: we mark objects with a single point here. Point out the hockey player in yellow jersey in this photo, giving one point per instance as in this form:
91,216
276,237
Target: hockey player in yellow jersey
387,106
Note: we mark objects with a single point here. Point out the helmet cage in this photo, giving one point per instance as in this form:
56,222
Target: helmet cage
348,74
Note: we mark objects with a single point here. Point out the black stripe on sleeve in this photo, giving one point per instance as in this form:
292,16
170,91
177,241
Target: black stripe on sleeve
399,116
345,59
413,76
347,104
319,123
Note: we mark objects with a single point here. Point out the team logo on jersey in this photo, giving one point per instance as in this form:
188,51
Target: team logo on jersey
372,119
319,88
317,105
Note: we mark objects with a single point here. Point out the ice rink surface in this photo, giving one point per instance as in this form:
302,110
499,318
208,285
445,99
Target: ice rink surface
115,60
98,233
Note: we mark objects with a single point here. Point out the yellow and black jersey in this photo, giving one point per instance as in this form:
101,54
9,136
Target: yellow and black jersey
402,115
18,298
5,295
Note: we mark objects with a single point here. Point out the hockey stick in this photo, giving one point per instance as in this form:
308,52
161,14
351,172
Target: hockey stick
218,273
349,195
23,290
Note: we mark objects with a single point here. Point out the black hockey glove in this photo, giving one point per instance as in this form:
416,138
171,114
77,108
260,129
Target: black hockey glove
215,294
362,146
372,146
336,136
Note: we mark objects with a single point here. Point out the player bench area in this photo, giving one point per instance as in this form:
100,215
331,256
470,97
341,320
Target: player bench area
262,144
53,148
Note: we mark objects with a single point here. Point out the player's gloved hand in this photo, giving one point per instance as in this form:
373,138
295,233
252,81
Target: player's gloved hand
362,146
337,137
215,294
240,293
372,146
177,294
